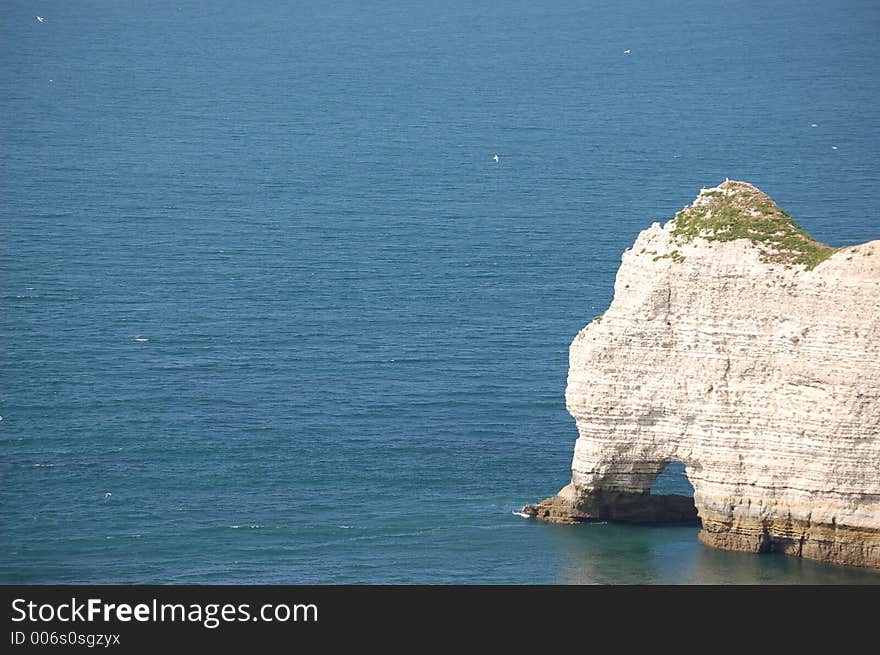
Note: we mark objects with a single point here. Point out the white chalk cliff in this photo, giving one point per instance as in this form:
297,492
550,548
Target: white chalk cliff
741,347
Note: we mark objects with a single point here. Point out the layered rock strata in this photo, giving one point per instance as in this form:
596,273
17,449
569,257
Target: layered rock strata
741,347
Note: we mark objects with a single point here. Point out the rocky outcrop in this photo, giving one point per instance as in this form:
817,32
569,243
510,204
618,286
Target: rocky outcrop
741,347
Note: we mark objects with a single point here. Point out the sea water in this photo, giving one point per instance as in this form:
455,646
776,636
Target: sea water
273,313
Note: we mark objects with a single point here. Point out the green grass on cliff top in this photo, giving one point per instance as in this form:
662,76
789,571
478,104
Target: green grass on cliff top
737,210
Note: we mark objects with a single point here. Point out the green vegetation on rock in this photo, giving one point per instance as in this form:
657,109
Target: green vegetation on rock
675,256
737,210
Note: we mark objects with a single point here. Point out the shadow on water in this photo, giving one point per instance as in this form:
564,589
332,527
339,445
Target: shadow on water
619,553
606,553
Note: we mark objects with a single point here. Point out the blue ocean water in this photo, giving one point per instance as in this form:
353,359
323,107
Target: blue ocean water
272,314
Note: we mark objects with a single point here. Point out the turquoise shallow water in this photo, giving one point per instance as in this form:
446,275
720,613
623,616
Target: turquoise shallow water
263,283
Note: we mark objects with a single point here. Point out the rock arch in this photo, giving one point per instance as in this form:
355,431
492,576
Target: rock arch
741,347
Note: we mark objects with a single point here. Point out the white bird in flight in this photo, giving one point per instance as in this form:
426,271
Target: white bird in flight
40,19
626,52
496,157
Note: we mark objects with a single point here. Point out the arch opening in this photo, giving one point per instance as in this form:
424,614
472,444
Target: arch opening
670,495
672,481
636,491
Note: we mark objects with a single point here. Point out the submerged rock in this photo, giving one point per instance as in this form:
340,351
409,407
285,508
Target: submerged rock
741,347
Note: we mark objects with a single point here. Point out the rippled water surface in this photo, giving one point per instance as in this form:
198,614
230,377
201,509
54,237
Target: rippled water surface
272,313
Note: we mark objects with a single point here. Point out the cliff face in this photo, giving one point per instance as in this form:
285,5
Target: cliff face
742,348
